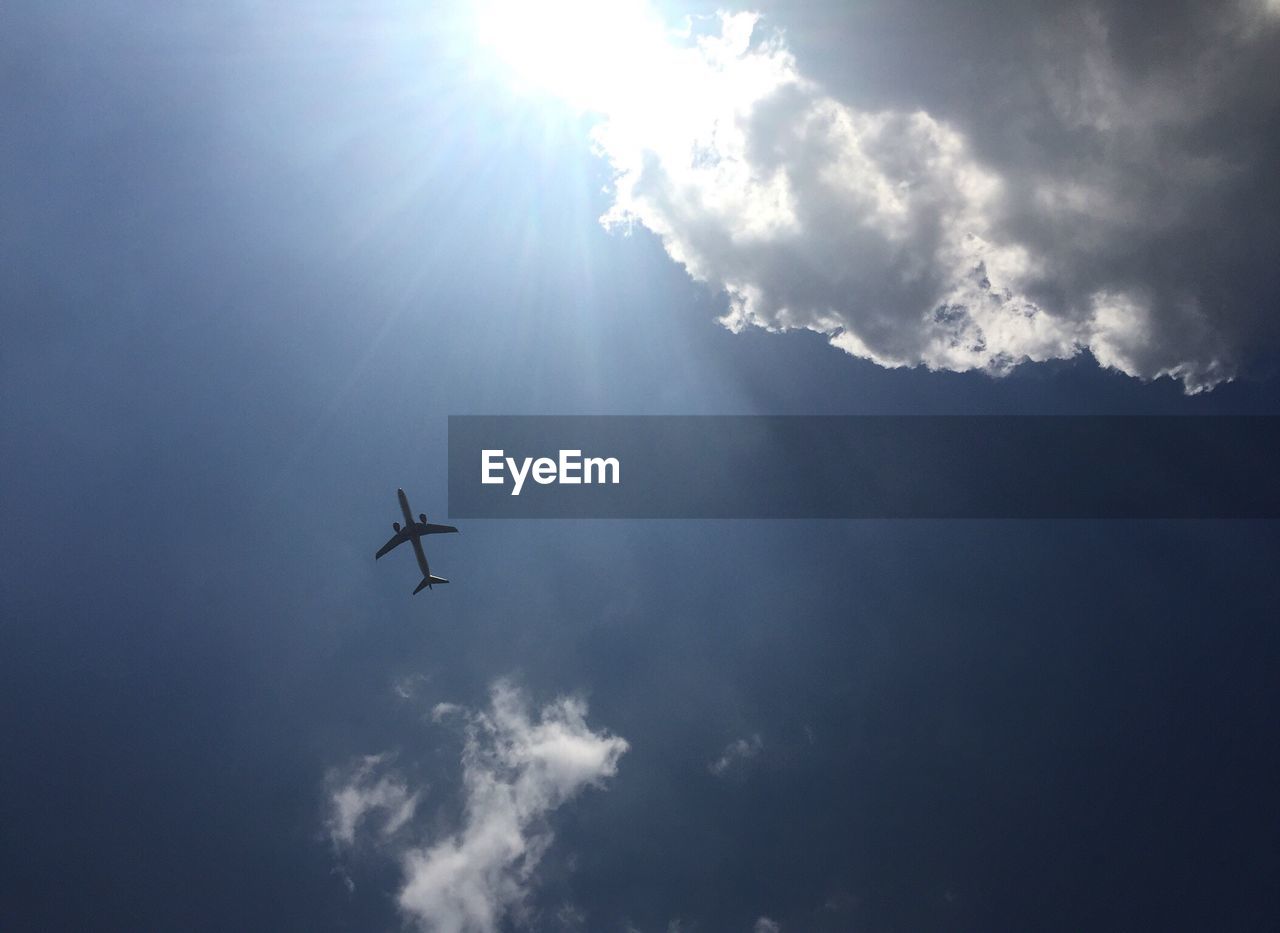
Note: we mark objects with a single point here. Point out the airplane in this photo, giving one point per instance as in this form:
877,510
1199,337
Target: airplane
413,531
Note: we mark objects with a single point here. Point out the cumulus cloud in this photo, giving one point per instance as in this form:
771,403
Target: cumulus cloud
517,767
1103,193
737,751
765,925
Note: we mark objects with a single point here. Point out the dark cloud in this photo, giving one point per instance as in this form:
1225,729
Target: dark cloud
972,189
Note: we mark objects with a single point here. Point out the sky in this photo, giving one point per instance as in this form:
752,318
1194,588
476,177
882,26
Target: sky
255,254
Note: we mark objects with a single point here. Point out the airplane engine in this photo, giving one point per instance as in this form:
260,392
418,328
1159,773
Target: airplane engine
422,517
396,526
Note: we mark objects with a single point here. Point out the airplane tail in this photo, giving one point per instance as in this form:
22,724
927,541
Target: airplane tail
428,582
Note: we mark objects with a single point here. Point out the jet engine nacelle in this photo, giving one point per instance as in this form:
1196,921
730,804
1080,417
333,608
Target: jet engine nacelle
396,526
422,517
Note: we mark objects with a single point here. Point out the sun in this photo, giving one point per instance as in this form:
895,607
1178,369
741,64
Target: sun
598,55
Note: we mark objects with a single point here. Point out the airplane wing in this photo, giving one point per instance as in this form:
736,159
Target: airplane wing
396,540
429,529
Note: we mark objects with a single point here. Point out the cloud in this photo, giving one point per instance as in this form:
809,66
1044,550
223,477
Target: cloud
516,769
570,917
357,794
765,925
1101,190
406,687
739,750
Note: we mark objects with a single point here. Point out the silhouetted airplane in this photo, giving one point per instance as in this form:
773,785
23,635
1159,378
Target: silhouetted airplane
413,531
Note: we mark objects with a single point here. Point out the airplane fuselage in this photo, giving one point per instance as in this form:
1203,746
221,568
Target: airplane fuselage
415,536
410,525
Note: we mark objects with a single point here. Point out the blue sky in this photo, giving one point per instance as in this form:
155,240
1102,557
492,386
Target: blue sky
253,260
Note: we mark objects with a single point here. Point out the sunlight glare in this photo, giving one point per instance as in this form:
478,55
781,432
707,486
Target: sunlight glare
598,55
679,98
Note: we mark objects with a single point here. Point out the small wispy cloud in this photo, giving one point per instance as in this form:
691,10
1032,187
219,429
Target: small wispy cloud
360,792
736,752
570,918
765,925
407,687
517,767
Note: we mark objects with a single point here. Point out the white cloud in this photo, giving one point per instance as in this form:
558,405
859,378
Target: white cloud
737,751
406,687
887,230
765,925
570,917
358,793
516,769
